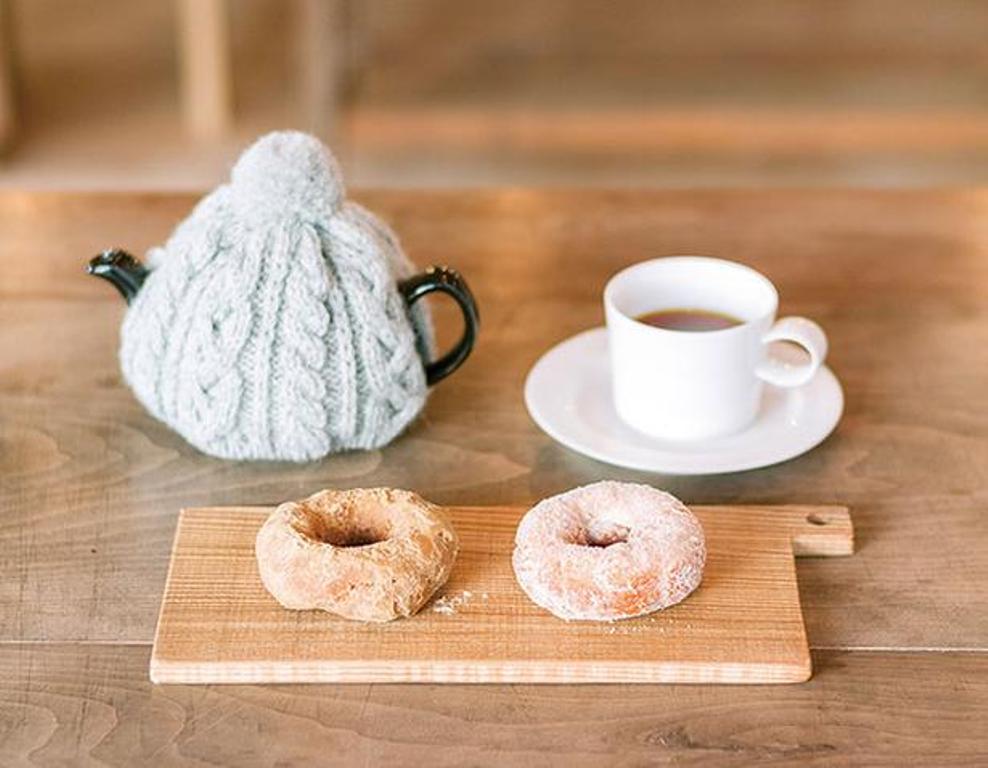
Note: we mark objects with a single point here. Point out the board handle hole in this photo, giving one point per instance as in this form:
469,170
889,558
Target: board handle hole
814,519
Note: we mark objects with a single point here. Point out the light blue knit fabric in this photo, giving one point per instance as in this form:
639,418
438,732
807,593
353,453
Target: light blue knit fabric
270,326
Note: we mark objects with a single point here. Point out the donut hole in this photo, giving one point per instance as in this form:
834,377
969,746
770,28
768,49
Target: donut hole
606,540
345,534
359,538
600,535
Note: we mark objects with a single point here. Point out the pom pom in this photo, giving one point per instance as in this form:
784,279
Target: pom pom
288,172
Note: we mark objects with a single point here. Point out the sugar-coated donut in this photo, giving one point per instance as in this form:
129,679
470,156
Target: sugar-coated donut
608,551
367,554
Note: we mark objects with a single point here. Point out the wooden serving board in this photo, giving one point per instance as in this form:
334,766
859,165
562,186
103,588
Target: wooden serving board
742,625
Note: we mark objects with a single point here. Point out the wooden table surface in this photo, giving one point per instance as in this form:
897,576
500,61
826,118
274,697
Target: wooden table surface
90,488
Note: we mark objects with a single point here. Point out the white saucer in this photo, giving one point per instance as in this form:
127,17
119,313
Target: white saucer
568,394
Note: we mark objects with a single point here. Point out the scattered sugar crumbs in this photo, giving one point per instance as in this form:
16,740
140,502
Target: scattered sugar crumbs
451,603
639,624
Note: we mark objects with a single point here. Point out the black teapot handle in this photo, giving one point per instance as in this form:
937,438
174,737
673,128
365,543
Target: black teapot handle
451,282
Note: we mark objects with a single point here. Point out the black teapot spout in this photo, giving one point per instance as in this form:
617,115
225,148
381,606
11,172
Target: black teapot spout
125,272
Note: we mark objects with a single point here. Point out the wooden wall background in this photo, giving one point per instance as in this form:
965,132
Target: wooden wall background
440,92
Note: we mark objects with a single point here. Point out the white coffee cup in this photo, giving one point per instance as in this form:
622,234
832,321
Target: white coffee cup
691,385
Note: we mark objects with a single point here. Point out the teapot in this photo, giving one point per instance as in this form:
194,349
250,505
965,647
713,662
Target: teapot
281,321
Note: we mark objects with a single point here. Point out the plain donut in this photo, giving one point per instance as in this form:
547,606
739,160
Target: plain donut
367,554
608,551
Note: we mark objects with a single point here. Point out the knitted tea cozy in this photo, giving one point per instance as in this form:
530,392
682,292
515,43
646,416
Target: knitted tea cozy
270,326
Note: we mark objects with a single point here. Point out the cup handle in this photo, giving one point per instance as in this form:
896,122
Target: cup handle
806,334
448,281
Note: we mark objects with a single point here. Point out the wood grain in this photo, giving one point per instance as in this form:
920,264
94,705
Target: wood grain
667,129
667,93
563,52
742,625
93,704
90,485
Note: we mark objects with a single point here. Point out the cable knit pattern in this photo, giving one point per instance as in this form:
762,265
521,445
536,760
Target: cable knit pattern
270,326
